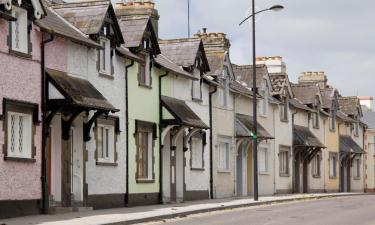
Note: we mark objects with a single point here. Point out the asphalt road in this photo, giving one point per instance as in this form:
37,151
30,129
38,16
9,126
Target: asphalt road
359,210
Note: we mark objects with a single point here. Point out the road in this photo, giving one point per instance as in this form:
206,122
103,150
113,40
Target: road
358,210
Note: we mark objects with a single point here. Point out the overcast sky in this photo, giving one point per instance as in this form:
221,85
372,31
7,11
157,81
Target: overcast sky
335,36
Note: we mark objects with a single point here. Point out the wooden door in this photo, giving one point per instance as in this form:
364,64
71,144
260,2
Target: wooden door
296,170
66,172
173,176
305,176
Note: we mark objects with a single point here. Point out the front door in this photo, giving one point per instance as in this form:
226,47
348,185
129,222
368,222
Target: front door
240,171
296,170
67,171
173,176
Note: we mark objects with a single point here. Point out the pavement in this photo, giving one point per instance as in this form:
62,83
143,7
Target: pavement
133,215
357,210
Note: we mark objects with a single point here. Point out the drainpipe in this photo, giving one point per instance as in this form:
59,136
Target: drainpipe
45,128
160,146
211,147
274,155
127,130
293,159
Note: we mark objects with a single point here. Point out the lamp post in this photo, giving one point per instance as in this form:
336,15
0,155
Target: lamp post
255,131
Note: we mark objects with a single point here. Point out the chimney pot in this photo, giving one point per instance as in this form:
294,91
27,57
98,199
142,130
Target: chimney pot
204,30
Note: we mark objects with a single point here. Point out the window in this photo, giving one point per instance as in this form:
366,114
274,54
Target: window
105,141
144,72
19,31
197,84
284,160
357,167
316,166
263,159
145,135
315,119
105,57
333,165
332,120
356,129
263,107
19,135
197,151
224,156
224,92
284,109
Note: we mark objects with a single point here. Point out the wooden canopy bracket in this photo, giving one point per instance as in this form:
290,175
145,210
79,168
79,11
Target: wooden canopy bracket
87,126
67,124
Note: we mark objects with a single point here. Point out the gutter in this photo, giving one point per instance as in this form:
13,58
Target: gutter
127,130
45,129
160,146
211,147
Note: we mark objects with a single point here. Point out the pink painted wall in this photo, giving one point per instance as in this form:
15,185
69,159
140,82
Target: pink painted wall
20,79
57,54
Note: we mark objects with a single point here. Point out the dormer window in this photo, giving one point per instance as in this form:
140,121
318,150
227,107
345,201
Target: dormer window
332,120
284,109
144,72
356,129
224,91
197,84
19,31
263,104
105,57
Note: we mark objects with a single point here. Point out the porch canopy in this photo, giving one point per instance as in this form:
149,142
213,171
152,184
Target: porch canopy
349,146
74,95
182,113
306,142
245,127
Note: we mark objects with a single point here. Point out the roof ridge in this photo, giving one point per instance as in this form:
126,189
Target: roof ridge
80,4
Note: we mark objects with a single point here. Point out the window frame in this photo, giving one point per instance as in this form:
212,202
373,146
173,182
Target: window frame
282,151
144,73
332,120
224,91
316,166
333,174
26,53
105,42
264,102
227,143
284,110
142,127
202,137
357,168
198,74
31,109
266,149
107,123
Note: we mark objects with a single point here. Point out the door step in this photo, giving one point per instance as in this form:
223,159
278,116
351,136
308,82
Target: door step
62,210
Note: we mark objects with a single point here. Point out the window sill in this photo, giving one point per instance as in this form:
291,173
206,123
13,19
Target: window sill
20,54
263,115
106,164
284,175
106,75
223,171
197,169
145,181
332,130
316,176
316,127
356,178
264,173
197,100
332,178
284,121
145,86
17,159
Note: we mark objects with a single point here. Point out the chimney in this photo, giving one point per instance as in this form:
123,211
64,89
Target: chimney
139,8
274,64
366,103
314,77
214,42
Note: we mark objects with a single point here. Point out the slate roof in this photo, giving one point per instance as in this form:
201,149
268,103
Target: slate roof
327,97
349,105
78,92
183,114
128,54
344,117
238,88
306,93
55,24
183,51
244,73
88,16
170,66
348,145
302,136
299,105
369,119
245,126
133,30
216,62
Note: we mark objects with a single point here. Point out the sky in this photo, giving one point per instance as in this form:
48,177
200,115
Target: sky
334,36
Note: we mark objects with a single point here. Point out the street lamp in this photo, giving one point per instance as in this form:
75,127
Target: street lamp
255,132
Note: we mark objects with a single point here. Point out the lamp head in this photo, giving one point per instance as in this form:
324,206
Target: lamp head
276,8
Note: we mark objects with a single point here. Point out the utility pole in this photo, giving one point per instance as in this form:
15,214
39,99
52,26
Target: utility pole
188,3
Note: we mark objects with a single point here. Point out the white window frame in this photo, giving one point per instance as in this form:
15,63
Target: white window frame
224,155
284,161
263,103
19,31
197,151
332,120
144,77
357,168
105,58
284,110
224,91
106,155
27,133
333,166
263,149
316,166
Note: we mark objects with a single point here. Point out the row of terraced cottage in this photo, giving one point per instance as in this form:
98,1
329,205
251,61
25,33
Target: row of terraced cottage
98,111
